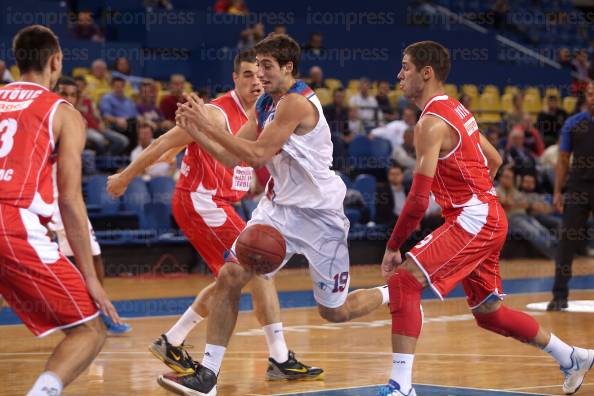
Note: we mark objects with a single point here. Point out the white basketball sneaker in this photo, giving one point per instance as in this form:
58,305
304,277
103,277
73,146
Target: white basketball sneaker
393,389
582,361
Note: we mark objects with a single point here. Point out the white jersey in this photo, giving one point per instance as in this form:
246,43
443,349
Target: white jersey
301,175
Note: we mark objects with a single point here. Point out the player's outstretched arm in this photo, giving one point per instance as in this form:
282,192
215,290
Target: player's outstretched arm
429,134
494,160
69,127
173,139
289,114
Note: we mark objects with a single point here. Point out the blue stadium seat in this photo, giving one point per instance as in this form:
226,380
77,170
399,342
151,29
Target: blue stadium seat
381,149
97,195
366,184
360,152
159,209
135,200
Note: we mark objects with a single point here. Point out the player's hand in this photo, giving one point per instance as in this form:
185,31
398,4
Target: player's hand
100,297
195,111
392,259
116,185
558,202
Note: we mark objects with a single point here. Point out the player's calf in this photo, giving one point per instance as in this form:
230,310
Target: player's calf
507,322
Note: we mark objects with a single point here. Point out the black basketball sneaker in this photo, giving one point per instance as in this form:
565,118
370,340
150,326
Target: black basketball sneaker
175,357
292,370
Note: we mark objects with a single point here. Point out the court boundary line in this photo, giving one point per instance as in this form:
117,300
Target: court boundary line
416,383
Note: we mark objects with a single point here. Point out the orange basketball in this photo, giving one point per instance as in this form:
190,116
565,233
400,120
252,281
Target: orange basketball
261,247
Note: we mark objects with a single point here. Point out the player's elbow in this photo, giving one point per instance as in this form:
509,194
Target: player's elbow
257,158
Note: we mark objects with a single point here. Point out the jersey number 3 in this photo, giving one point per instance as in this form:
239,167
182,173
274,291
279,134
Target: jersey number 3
8,128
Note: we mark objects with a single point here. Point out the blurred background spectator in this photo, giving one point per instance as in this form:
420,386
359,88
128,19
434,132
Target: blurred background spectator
145,131
118,110
368,111
5,75
147,107
314,44
168,105
85,28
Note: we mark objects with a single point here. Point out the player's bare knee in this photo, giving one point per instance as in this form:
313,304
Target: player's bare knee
334,315
233,276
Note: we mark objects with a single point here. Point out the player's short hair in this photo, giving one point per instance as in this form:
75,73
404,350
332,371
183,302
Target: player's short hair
430,53
32,47
282,48
247,55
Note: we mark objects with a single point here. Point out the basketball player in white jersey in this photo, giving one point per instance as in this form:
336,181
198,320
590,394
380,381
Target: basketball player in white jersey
288,133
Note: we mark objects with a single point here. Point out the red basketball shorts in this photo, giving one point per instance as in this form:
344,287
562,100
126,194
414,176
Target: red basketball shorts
211,225
46,290
465,249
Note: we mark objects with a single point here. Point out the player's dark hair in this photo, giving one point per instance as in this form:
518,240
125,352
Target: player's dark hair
430,53
282,48
247,55
33,46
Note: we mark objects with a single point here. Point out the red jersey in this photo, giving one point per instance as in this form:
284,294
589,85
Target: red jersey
462,176
202,173
26,146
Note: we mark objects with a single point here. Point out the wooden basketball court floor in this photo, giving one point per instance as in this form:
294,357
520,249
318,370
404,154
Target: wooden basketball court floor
454,357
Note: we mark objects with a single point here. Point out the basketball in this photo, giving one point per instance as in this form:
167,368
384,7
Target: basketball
261,247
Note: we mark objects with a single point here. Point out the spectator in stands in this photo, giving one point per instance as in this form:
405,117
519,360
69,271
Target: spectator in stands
383,101
538,205
221,6
581,65
366,105
86,29
250,36
280,29
122,69
549,122
238,7
515,205
169,102
314,44
517,155
5,75
404,153
118,110
565,59
356,126
99,80
316,77
391,197
147,107
394,131
337,113
532,137
516,115
493,134
353,199
145,132
103,140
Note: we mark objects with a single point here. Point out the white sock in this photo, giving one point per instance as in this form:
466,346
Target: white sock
48,383
385,294
275,338
213,357
560,351
402,364
180,330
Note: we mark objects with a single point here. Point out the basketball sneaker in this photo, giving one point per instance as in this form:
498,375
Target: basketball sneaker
202,382
114,329
291,370
176,357
582,361
393,389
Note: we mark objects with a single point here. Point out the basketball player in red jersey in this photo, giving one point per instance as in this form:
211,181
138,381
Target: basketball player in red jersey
203,208
457,164
38,128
